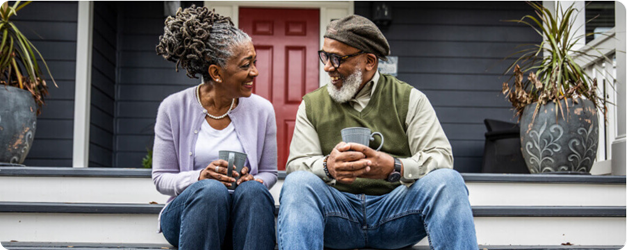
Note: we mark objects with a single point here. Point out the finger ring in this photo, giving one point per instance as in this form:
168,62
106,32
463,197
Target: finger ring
217,168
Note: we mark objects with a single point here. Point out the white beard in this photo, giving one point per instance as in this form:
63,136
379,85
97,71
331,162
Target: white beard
350,86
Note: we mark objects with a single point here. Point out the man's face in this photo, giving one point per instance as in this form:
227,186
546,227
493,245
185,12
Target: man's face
348,77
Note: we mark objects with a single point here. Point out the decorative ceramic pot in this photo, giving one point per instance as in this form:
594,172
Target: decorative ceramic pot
18,119
560,144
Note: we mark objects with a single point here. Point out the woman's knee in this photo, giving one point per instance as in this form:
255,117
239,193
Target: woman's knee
252,190
210,191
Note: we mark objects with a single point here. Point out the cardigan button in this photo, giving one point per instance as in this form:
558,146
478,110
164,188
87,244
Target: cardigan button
204,111
195,131
190,153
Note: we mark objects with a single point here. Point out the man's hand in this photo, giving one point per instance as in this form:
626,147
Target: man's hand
382,164
345,165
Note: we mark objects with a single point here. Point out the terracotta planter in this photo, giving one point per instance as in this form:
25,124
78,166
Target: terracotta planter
18,119
551,145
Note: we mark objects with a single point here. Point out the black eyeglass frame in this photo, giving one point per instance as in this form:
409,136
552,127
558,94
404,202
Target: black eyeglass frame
340,59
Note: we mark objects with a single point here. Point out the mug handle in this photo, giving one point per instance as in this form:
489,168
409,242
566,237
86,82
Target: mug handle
380,135
229,171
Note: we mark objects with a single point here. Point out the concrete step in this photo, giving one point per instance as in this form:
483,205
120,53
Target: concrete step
40,184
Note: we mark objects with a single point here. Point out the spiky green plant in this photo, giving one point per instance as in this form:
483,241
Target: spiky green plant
18,63
553,73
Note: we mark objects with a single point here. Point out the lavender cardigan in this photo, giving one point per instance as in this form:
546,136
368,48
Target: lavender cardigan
179,119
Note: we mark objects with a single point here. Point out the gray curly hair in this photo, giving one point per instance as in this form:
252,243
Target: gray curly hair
197,38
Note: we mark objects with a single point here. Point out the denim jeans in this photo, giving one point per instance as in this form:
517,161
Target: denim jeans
313,215
206,216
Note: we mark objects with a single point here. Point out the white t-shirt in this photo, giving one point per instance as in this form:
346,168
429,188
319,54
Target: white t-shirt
211,140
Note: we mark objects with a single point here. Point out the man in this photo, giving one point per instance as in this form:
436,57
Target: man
349,195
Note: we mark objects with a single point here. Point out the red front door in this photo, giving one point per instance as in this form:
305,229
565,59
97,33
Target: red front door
287,41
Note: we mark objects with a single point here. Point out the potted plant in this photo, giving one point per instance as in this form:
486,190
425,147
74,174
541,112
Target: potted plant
558,104
24,88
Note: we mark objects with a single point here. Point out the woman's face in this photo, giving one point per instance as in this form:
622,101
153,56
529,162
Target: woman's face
240,71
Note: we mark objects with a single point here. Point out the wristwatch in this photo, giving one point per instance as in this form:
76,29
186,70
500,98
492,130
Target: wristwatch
396,174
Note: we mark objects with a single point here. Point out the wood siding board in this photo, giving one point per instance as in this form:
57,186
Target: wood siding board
453,49
61,70
474,115
127,109
434,81
134,143
103,83
437,33
40,11
462,98
146,92
104,65
100,137
102,119
56,50
468,164
58,109
144,26
104,49
51,149
129,159
146,59
136,42
135,126
47,31
65,90
156,76
452,65
54,129
102,102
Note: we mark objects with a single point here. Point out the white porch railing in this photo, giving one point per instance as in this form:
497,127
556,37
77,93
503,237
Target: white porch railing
604,71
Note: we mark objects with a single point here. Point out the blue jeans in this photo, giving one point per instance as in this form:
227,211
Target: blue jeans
206,216
314,215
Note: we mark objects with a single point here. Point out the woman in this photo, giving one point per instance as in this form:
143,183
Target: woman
194,124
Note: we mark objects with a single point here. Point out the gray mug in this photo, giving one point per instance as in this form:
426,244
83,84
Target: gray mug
360,135
234,158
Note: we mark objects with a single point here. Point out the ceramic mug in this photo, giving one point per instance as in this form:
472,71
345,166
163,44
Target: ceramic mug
360,135
235,159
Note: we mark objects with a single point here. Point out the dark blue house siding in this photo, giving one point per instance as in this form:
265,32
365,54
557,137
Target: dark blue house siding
104,68
54,35
452,52
144,80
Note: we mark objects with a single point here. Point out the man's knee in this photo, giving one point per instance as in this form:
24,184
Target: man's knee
301,179
444,179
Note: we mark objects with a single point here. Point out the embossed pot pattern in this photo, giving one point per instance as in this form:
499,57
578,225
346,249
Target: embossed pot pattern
567,144
18,120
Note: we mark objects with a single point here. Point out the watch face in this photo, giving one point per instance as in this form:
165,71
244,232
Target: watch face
394,177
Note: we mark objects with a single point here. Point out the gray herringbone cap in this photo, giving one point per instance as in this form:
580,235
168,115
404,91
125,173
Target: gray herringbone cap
361,33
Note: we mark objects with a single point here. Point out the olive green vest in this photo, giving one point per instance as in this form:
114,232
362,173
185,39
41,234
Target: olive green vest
386,112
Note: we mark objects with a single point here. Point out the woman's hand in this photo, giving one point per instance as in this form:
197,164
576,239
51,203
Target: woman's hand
247,177
217,170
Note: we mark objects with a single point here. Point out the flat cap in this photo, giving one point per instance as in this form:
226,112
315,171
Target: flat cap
361,33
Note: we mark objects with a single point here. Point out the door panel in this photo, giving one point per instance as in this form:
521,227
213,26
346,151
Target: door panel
286,41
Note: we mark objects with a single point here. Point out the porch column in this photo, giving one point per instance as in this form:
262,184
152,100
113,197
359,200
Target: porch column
82,92
618,146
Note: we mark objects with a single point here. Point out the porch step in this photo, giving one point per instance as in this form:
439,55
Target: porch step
137,223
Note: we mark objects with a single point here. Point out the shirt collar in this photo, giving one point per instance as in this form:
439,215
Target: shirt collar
369,87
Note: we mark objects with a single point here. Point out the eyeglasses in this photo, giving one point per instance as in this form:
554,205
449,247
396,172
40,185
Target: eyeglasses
336,59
